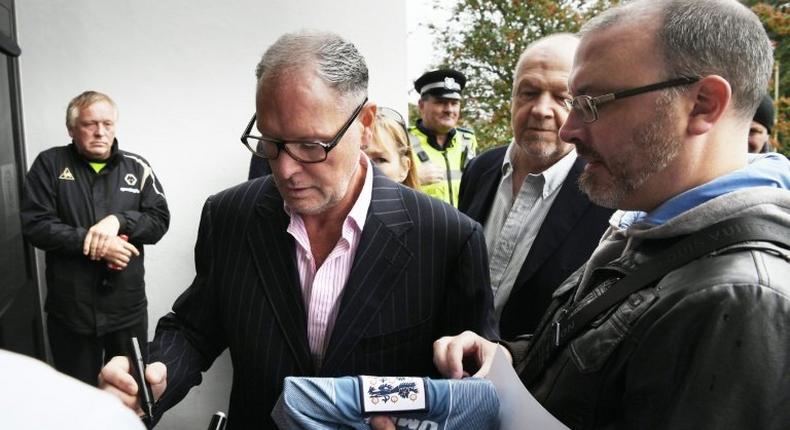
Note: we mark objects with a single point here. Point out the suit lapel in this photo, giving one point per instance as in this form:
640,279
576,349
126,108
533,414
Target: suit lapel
566,210
480,207
379,259
274,256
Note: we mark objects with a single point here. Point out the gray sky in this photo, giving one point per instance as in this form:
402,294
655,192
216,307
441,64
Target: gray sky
419,43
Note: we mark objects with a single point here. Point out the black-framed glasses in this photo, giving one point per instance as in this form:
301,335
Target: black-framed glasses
303,151
587,106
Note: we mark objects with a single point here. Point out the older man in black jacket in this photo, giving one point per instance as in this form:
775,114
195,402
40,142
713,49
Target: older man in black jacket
91,207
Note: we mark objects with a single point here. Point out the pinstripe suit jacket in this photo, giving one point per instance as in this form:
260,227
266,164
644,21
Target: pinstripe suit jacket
420,272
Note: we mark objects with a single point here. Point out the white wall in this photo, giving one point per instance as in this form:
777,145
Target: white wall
182,74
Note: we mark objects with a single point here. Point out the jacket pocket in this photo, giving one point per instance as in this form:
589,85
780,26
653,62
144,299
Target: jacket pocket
592,350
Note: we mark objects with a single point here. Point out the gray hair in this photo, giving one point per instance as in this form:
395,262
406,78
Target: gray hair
336,61
705,37
84,100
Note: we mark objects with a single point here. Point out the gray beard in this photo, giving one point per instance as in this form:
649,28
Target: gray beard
651,149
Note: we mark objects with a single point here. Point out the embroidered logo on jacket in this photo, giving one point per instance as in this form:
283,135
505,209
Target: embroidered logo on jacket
130,179
66,175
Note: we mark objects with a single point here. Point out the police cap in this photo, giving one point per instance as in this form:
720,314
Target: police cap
445,83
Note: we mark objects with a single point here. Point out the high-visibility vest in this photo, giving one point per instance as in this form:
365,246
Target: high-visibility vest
453,159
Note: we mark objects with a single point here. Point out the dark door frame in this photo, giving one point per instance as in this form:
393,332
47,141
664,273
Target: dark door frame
32,314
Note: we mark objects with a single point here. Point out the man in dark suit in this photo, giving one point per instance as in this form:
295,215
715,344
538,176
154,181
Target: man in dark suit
325,267
539,226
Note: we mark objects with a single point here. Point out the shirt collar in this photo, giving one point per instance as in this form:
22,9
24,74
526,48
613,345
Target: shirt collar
361,207
431,136
359,211
553,177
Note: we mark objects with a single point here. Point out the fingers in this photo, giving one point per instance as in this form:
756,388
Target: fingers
486,358
101,247
449,353
120,252
115,379
99,235
429,173
130,248
95,244
156,375
381,422
86,244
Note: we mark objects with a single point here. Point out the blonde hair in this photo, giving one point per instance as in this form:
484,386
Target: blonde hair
386,130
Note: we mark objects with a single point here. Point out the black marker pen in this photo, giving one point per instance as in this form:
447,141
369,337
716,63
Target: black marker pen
138,372
218,421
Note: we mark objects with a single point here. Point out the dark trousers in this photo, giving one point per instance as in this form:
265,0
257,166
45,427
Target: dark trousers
82,356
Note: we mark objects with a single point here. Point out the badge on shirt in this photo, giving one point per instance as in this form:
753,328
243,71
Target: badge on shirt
130,179
392,394
66,175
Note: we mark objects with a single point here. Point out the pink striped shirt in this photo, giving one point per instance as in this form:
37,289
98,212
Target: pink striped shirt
322,289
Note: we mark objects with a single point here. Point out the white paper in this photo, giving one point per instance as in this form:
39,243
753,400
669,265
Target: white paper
518,410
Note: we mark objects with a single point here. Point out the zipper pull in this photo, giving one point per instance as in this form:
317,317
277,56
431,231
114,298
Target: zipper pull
558,326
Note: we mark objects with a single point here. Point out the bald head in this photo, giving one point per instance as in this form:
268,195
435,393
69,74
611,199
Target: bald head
559,47
537,109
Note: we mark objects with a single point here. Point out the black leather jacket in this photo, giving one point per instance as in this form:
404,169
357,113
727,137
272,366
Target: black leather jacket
708,346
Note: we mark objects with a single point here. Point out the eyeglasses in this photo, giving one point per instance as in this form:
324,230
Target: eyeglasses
389,113
302,151
587,106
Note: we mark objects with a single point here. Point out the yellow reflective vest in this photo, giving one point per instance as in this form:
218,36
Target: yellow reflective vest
452,158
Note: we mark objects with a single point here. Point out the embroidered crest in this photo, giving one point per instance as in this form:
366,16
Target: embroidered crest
130,179
66,175
392,394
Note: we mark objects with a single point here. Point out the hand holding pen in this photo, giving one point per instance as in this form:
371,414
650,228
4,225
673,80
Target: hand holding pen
138,372
116,378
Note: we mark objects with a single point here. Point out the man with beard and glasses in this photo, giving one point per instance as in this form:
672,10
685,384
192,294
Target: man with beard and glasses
539,226
681,317
324,268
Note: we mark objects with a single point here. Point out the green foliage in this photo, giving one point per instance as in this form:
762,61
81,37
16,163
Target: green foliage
484,39
776,20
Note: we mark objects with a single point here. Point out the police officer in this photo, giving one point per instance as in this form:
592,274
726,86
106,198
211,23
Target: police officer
442,149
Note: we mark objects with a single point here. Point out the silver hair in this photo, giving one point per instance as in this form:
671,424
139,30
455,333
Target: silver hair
336,61
84,100
705,37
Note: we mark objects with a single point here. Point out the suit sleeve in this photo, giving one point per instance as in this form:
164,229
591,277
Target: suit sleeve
189,339
472,300
466,191
41,223
151,220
